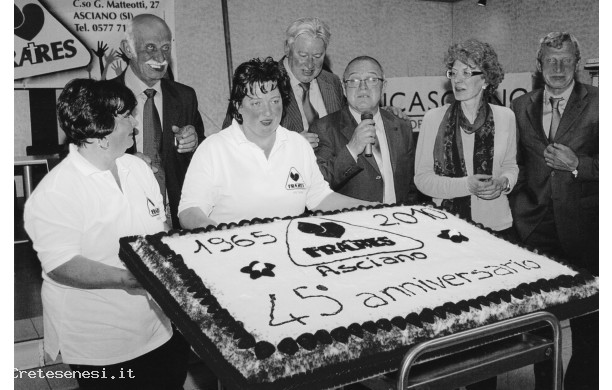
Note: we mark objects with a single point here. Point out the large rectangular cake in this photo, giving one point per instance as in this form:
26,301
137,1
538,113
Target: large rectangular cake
321,300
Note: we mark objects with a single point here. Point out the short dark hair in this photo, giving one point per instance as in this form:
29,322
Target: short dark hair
257,72
87,108
482,55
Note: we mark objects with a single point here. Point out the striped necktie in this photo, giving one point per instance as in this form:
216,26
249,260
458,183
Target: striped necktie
556,118
309,111
151,138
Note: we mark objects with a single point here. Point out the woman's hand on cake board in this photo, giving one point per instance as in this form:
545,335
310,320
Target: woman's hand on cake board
194,217
336,201
129,281
81,272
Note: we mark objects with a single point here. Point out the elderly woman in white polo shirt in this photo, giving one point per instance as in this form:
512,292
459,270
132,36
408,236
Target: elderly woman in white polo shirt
96,314
255,167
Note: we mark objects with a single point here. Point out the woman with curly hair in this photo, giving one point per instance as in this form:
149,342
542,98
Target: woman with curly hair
466,152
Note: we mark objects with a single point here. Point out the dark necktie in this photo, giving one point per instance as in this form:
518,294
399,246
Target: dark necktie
555,119
309,111
151,138
376,146
377,153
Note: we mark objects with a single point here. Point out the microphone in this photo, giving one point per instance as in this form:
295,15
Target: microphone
368,148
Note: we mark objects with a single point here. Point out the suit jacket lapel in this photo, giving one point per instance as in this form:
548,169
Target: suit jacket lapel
534,113
292,117
169,109
170,113
347,128
574,107
393,140
327,92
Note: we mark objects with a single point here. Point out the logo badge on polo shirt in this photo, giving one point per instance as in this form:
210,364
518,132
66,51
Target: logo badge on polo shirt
294,180
153,210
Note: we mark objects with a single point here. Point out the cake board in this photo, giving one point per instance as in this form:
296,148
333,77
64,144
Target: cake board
340,372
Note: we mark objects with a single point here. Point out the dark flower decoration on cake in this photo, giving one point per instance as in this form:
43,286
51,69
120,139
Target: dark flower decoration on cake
257,269
453,235
325,229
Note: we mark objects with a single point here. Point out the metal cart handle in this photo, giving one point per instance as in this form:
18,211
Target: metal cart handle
485,331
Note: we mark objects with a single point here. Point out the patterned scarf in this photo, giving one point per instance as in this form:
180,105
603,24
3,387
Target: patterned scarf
448,150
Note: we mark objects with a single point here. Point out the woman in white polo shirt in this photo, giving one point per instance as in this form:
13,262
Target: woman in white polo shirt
96,314
255,167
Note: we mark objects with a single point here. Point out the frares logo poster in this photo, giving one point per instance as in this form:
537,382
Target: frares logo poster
42,44
60,40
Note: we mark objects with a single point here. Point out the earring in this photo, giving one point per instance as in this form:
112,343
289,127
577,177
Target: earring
100,144
484,87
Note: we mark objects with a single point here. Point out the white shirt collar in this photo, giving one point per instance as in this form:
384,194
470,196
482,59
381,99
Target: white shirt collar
295,83
80,162
565,95
357,115
136,85
86,167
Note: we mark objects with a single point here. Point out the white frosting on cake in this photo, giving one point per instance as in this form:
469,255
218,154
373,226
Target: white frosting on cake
290,277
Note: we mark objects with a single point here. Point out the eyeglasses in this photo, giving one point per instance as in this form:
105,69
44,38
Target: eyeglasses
466,73
370,82
553,61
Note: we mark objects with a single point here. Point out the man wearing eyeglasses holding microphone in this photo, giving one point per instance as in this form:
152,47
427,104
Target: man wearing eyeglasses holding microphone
365,152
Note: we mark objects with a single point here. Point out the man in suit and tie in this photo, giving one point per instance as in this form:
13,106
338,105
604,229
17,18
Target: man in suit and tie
555,203
169,124
365,152
315,92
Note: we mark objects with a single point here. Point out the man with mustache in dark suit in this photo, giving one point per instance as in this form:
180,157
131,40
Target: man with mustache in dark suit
148,45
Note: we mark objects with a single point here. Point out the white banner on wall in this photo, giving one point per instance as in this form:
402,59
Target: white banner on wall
417,95
56,41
